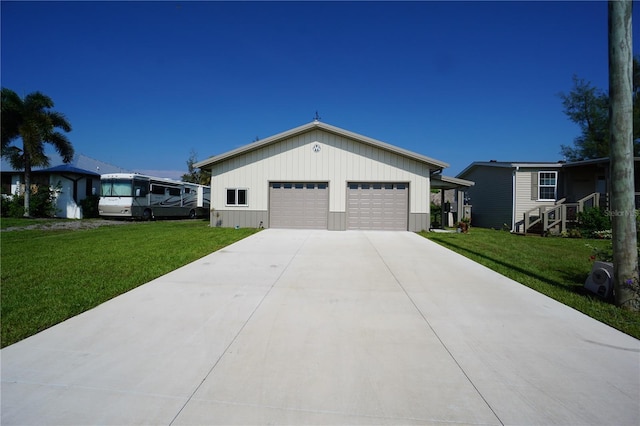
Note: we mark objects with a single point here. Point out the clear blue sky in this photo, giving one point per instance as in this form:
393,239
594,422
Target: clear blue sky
145,83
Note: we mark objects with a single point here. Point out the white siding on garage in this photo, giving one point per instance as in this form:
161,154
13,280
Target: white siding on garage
339,160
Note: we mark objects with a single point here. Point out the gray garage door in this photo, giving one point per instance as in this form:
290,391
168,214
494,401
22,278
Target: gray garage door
383,206
298,205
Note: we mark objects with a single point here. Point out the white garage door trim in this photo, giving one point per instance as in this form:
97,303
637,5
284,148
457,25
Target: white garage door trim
299,205
378,206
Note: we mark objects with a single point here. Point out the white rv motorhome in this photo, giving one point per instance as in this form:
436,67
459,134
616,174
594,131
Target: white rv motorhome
131,195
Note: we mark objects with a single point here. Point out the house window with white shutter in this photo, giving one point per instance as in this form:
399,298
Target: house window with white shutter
547,186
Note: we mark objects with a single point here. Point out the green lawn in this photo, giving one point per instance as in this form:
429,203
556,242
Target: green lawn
556,267
49,276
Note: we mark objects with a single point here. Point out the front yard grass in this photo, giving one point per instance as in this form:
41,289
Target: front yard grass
48,276
556,267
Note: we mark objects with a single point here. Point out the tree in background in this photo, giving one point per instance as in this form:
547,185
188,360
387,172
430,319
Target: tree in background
203,177
32,120
588,107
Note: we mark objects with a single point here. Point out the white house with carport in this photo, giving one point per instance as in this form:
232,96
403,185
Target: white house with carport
318,176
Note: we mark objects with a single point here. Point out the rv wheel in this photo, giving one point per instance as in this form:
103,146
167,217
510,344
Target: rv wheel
146,215
192,214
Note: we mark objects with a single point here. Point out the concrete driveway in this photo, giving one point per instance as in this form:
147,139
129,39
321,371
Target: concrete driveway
320,327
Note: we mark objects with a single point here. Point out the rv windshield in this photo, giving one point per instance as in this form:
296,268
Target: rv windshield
115,188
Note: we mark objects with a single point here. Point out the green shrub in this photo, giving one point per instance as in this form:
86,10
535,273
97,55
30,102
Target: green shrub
592,220
41,204
436,215
90,206
12,206
5,200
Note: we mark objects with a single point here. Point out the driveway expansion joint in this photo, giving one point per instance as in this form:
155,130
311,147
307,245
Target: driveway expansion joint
228,347
426,321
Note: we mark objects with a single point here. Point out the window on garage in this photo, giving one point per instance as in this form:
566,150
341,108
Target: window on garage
236,197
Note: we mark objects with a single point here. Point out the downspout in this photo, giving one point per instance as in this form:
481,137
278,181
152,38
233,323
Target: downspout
513,199
442,208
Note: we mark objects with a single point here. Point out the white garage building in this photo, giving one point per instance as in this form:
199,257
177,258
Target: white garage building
322,177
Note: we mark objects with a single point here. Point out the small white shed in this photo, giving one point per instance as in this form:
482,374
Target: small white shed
72,182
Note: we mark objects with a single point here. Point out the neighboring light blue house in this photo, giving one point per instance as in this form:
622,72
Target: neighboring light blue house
73,182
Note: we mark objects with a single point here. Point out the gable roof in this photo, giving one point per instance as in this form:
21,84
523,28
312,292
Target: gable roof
510,165
328,128
539,164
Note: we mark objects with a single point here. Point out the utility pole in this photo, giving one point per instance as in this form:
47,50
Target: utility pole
624,239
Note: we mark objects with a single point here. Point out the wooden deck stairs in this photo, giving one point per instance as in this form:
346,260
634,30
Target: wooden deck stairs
555,219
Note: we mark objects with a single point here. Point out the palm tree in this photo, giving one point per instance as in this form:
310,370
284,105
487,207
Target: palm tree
32,120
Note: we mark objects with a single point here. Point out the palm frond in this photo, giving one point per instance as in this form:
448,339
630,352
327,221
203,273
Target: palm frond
10,118
62,145
57,119
37,156
32,120
15,157
36,101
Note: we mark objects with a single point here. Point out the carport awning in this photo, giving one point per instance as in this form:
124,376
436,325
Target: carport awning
445,182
